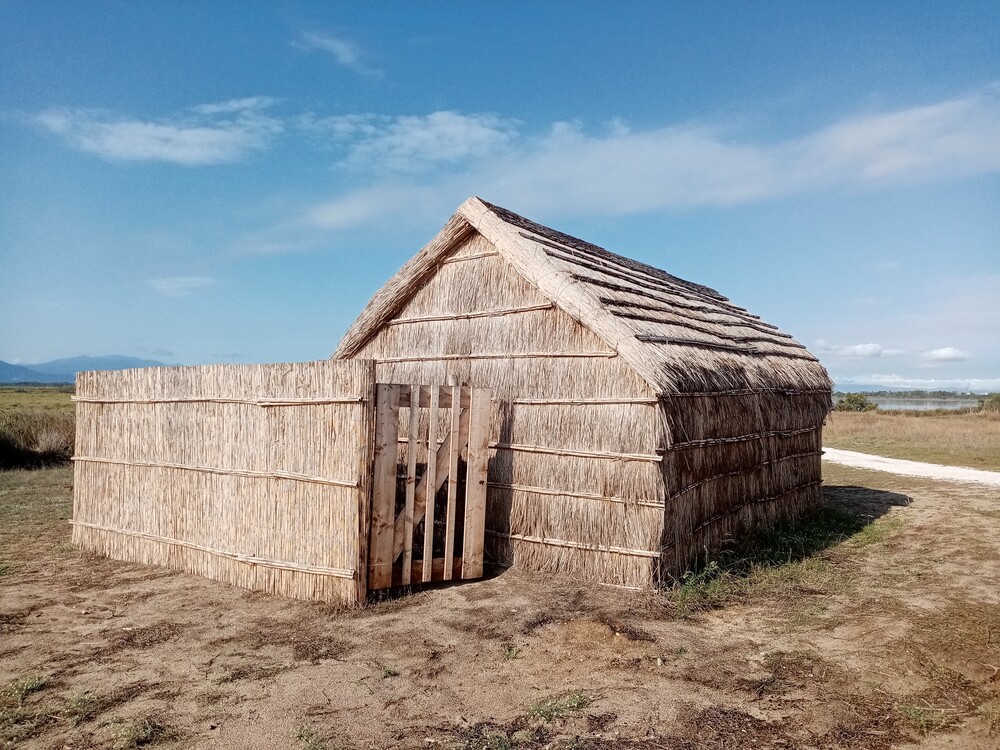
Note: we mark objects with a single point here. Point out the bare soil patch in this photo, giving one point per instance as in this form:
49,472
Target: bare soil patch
883,634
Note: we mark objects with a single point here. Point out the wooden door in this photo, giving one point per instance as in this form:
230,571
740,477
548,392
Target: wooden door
429,489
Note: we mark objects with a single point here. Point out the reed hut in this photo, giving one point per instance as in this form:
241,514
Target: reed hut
638,419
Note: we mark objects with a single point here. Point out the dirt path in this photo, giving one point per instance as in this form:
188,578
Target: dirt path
911,468
885,636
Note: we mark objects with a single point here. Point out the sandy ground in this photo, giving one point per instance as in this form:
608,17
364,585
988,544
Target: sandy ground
888,639
911,468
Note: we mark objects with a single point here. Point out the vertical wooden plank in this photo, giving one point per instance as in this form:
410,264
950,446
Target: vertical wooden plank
475,484
411,483
431,478
454,448
366,459
383,487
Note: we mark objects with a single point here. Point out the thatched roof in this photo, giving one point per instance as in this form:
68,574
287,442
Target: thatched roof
679,336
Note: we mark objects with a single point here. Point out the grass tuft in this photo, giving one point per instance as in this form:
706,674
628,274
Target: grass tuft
143,731
559,706
926,719
309,738
508,651
21,689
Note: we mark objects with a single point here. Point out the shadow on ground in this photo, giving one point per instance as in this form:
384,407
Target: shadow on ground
862,501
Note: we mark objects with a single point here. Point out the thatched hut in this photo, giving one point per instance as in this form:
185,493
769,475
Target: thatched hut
639,419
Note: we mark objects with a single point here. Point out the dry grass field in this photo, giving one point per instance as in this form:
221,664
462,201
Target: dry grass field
36,425
971,440
873,625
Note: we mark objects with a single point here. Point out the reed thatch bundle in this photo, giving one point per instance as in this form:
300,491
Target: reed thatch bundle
638,418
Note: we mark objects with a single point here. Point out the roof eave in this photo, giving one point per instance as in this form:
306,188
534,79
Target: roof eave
400,288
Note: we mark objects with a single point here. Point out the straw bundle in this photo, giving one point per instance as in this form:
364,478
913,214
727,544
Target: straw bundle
253,475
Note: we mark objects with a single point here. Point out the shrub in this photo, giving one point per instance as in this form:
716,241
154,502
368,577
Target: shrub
855,402
31,437
990,404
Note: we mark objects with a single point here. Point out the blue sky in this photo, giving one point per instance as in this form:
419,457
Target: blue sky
204,182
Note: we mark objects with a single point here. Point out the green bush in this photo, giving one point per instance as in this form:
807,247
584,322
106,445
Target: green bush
855,402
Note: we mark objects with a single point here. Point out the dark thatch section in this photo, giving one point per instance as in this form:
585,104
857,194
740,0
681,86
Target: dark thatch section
639,418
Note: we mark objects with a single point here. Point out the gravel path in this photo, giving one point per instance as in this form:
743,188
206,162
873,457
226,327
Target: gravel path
911,468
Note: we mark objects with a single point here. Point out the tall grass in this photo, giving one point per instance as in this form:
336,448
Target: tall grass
37,426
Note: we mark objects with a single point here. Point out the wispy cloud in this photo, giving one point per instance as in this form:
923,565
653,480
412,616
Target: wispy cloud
180,286
857,351
345,52
620,171
416,143
946,354
205,134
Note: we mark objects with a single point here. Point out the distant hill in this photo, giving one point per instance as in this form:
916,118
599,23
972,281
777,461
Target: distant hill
65,370
19,374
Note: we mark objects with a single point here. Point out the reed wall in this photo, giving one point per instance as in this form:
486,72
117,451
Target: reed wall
257,476
737,462
575,483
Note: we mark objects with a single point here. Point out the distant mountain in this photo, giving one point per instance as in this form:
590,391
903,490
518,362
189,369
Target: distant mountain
65,370
19,374
82,364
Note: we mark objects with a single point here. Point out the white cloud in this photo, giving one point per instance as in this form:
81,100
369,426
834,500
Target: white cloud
413,143
236,105
180,286
346,53
364,206
946,354
621,171
207,134
857,351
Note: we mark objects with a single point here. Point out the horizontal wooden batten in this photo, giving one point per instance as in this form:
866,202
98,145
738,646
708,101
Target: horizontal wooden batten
648,338
613,266
751,470
575,545
684,309
679,322
290,475
735,509
472,315
522,448
583,401
739,438
444,396
496,355
248,559
605,284
654,339
417,571
570,493
471,256
746,392
218,400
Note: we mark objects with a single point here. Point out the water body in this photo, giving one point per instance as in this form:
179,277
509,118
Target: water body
922,404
